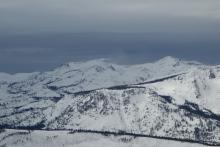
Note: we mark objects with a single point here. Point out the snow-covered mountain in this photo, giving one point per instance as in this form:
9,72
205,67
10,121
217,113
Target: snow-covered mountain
169,98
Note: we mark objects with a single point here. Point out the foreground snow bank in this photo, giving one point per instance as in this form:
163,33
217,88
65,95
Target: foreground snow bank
21,138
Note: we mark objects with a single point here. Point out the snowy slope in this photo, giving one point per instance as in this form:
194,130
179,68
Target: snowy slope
16,138
200,86
169,98
94,74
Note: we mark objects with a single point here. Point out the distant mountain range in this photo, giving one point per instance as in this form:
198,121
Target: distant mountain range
170,99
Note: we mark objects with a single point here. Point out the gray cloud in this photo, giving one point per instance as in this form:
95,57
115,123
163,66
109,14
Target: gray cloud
41,34
109,15
25,53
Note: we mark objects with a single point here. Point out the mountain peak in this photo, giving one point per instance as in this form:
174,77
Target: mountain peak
169,59
88,63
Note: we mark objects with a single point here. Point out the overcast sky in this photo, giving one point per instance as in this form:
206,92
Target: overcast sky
37,35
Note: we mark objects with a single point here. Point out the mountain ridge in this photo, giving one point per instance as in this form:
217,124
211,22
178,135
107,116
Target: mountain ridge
169,98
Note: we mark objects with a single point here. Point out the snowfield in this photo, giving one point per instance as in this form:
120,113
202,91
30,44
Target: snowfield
170,98
19,138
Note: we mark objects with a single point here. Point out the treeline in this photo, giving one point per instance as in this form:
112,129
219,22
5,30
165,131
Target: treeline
123,133
38,126
41,127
